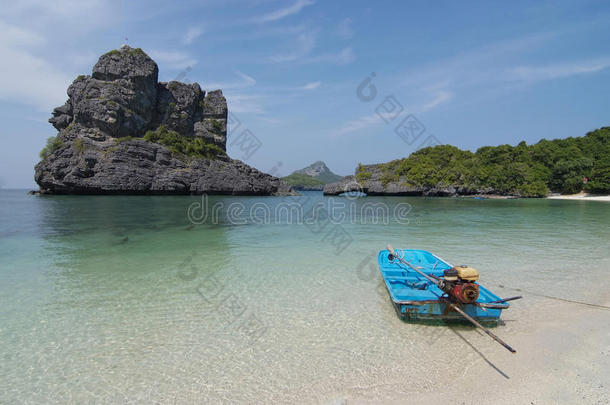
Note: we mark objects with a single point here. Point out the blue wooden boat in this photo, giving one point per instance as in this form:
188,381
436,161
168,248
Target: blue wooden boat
417,298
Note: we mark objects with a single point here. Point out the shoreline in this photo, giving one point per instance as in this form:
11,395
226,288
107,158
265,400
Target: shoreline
573,197
581,197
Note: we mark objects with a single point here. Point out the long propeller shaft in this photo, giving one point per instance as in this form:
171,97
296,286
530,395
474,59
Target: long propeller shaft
452,305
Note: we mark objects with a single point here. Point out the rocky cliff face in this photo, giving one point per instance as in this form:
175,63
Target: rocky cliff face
370,179
101,145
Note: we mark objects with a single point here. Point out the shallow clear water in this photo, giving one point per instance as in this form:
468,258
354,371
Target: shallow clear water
123,299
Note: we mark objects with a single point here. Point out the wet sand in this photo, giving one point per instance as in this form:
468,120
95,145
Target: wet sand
563,357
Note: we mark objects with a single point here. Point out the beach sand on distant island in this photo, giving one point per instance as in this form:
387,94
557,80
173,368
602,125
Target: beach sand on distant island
580,196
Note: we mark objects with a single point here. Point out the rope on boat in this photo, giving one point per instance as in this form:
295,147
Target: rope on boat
557,298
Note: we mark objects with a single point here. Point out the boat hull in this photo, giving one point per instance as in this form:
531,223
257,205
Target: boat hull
416,299
441,311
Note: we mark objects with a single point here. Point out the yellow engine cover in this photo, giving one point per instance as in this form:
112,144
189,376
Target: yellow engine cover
467,273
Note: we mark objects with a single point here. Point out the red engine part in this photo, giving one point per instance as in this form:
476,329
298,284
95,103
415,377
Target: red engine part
466,293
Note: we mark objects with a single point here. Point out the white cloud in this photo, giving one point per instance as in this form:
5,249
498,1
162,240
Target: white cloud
442,96
32,80
246,81
269,120
19,36
302,53
242,103
495,68
60,16
557,70
172,59
491,70
57,9
32,74
305,44
345,30
343,57
192,34
285,12
481,65
311,86
26,78
439,97
358,124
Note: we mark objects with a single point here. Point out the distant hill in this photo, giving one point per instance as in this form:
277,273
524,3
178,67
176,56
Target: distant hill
312,177
301,181
320,171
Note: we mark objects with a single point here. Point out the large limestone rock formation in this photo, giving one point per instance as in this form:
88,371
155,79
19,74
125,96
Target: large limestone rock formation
100,147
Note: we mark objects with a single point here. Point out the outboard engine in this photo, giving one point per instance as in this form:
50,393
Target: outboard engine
459,282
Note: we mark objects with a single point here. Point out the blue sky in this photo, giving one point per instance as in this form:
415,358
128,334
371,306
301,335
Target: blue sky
471,73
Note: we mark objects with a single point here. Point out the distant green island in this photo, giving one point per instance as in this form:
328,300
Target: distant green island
565,166
303,181
312,177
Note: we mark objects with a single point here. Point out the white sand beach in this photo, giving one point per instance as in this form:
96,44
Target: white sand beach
581,197
563,357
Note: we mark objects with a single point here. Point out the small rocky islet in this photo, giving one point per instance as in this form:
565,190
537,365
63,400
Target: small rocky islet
123,132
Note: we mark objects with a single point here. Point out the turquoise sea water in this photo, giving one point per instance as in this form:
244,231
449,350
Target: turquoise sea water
123,299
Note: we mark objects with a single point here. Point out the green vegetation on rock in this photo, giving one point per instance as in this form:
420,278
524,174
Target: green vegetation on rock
362,175
558,165
125,139
189,146
130,51
112,52
53,143
300,181
216,125
79,145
